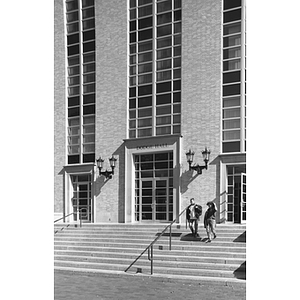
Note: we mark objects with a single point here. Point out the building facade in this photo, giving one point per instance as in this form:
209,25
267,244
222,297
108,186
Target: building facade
144,81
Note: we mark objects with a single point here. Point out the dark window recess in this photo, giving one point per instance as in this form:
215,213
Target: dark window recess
163,87
132,13
144,23
73,39
86,3
132,92
89,99
132,103
231,4
233,15
177,85
177,15
232,77
233,89
73,159
231,147
163,99
90,46
132,37
176,97
73,101
89,35
132,25
164,18
72,5
145,90
88,13
144,102
132,3
164,6
89,109
145,34
142,2
72,50
89,157
73,112
88,24
177,4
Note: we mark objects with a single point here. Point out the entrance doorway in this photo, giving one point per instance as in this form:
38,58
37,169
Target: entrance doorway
82,197
154,187
236,194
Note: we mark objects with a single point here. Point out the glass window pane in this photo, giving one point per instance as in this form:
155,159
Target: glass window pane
232,28
164,42
163,87
231,113
164,6
165,75
145,57
145,11
164,53
145,122
145,34
74,27
231,135
232,53
163,99
145,79
230,77
233,89
88,24
163,120
72,5
145,46
233,15
232,101
163,110
143,133
163,131
164,30
145,68
144,23
234,64
231,147
228,124
230,41
231,4
164,64
164,18
145,112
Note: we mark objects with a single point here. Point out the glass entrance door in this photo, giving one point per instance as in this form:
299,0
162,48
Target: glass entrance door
236,193
243,198
154,187
82,197
154,199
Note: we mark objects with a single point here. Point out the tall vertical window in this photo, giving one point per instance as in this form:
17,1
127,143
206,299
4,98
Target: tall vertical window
234,77
154,67
80,30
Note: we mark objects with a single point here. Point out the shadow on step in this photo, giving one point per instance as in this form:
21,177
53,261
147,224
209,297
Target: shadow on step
241,238
240,272
190,237
175,234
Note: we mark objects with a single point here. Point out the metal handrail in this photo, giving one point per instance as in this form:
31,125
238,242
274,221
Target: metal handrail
79,212
150,247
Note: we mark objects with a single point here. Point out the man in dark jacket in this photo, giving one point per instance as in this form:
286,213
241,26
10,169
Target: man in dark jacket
193,213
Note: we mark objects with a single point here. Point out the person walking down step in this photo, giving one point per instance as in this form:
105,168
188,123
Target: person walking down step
193,213
210,220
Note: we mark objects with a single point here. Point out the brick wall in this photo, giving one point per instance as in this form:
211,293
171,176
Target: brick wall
59,104
111,107
201,96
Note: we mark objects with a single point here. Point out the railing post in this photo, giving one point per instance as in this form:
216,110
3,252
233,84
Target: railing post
151,259
80,215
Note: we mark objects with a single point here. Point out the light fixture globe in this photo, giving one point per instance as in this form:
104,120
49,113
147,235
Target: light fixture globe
100,162
190,156
206,154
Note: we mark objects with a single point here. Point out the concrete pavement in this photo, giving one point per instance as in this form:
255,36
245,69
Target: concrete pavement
92,286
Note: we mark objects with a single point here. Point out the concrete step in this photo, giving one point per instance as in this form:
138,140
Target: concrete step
142,240
175,246
159,260
164,257
147,269
138,251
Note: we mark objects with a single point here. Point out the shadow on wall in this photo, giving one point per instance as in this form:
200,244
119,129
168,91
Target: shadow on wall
186,178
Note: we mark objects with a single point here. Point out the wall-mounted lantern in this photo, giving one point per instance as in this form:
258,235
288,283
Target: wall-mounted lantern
190,158
112,162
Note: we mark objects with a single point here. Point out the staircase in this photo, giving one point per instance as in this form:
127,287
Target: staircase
111,248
